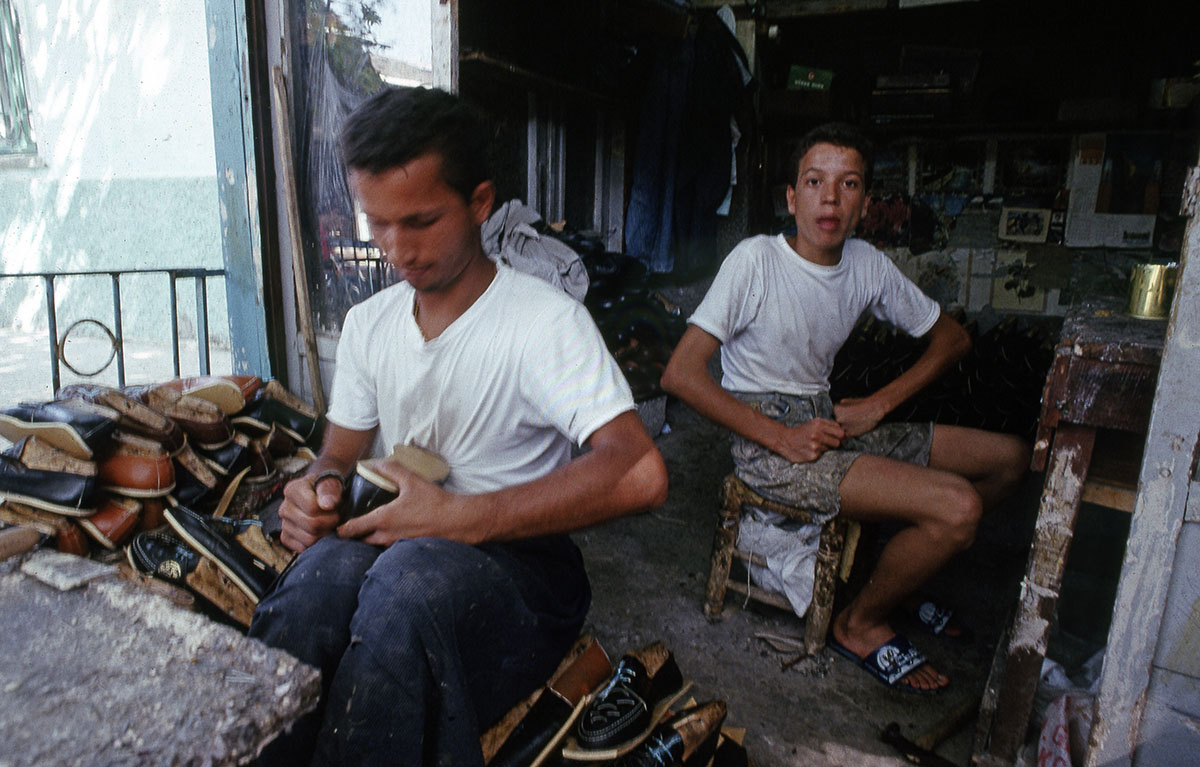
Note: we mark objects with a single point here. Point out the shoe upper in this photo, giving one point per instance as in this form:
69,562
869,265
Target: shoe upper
363,495
163,556
205,535
34,469
688,738
93,423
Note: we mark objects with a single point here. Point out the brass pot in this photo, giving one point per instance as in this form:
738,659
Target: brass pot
1150,289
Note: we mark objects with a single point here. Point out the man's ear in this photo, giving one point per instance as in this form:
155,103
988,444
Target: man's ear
481,202
865,204
791,199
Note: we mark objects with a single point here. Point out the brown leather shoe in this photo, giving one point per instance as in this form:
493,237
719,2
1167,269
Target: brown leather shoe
72,540
138,467
114,522
200,419
132,415
230,393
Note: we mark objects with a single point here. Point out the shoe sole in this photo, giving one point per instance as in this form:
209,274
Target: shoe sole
206,555
226,395
139,492
60,435
28,500
572,750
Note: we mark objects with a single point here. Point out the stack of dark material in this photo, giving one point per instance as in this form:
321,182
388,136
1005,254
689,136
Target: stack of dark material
997,386
640,327
633,715
162,476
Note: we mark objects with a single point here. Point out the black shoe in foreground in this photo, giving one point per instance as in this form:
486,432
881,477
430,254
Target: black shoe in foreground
250,573
688,738
641,689
369,488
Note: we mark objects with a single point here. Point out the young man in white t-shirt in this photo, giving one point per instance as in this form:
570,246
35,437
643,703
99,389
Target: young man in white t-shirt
433,614
778,311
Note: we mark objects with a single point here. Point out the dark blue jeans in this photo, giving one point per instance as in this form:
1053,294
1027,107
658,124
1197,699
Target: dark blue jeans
422,645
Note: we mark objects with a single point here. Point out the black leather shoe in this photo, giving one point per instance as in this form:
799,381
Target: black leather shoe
197,486
370,488
249,573
643,686
548,719
275,405
38,474
170,559
689,738
229,459
75,426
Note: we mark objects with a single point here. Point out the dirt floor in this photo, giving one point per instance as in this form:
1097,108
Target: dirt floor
649,572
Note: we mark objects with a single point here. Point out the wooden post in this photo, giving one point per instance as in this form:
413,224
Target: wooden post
283,140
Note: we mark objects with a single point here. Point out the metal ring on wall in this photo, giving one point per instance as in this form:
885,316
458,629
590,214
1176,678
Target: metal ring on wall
62,347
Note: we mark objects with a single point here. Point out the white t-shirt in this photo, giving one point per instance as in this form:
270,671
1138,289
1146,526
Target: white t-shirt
781,318
503,394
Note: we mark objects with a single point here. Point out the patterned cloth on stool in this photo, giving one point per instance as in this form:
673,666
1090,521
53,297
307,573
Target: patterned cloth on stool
839,539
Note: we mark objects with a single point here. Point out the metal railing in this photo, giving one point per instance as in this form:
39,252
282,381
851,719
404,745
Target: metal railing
116,333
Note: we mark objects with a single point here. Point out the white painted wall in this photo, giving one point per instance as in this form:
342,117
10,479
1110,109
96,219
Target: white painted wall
119,88
121,111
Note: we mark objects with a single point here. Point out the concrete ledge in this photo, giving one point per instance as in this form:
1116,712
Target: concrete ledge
109,673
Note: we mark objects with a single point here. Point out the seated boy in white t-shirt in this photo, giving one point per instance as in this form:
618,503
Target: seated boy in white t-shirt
779,310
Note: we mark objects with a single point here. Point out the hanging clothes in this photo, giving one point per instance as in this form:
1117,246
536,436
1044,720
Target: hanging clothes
684,149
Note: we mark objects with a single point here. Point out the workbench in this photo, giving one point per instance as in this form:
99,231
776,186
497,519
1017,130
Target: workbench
1095,411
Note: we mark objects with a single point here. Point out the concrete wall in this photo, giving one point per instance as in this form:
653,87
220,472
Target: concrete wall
125,171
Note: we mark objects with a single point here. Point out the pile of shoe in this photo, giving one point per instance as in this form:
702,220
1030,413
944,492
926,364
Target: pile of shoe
100,467
591,713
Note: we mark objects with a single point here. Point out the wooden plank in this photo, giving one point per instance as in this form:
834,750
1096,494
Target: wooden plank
1112,495
1116,395
1030,634
1151,552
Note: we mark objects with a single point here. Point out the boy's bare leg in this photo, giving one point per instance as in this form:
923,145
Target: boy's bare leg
970,470
994,463
942,511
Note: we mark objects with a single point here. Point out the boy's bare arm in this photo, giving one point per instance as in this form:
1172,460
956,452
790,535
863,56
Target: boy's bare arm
948,342
621,472
687,378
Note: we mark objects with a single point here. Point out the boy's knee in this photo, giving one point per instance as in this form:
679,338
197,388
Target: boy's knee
964,510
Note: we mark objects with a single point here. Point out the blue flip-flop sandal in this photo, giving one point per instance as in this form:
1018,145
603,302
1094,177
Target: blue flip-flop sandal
889,662
935,619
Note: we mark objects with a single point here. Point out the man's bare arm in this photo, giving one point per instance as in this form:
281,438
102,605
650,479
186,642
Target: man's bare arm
687,378
309,508
621,472
948,342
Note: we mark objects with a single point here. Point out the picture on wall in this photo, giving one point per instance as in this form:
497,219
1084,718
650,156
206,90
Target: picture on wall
1024,224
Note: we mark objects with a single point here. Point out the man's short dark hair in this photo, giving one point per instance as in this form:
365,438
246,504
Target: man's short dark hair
396,125
838,134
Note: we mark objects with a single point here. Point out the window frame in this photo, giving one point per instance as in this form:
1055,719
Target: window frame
17,146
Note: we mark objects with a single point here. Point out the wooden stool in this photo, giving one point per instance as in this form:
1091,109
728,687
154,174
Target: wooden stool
835,556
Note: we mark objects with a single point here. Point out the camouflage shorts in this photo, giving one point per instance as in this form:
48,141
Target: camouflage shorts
814,486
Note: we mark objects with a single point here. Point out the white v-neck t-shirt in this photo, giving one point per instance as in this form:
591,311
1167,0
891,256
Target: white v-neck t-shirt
503,394
781,318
